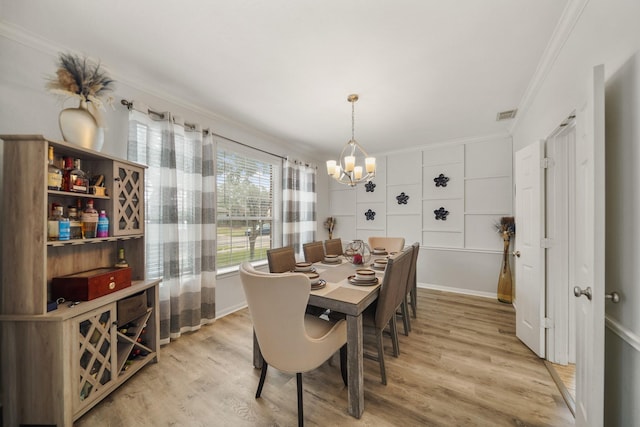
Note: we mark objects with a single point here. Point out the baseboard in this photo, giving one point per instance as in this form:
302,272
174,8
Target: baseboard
230,310
626,334
463,291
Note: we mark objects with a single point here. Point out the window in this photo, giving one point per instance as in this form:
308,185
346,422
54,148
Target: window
245,206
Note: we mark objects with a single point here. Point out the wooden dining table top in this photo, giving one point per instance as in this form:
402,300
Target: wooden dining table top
340,295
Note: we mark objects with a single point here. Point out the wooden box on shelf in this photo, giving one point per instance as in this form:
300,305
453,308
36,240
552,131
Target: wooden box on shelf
57,365
91,284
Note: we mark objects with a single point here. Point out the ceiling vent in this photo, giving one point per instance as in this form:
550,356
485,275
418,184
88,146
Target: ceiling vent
506,115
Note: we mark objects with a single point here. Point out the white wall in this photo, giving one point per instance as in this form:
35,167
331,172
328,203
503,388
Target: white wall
607,32
27,108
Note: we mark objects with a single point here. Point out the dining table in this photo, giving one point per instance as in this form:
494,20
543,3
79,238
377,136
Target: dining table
341,295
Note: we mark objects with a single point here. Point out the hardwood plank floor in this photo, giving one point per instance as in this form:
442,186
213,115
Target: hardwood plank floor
461,366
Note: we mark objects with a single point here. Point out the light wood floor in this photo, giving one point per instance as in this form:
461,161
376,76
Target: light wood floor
461,366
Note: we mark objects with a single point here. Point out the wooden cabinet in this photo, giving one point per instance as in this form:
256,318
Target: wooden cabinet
58,364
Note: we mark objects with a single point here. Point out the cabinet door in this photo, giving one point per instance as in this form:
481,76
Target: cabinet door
94,355
128,200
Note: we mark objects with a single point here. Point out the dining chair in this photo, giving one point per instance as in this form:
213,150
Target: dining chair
281,260
383,312
333,246
313,251
391,244
409,289
290,340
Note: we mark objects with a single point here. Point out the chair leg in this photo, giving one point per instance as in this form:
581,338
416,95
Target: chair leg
383,373
406,321
343,364
263,374
394,336
414,299
300,410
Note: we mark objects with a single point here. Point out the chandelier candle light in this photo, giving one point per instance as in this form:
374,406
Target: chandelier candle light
349,171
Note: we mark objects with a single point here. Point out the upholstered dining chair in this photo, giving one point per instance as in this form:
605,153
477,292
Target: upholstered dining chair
391,244
290,340
333,246
281,260
313,251
383,311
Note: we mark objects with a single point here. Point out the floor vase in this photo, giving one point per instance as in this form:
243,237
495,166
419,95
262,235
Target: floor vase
505,280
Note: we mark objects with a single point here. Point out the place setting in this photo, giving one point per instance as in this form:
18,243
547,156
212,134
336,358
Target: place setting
316,281
304,267
379,251
332,259
363,277
380,264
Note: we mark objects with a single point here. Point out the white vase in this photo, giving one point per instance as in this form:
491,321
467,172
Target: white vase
79,127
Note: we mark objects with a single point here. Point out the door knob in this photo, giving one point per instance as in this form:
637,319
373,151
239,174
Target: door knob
613,296
579,292
516,253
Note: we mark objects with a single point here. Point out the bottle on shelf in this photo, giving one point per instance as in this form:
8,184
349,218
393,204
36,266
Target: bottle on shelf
103,225
122,262
54,174
75,225
64,227
53,228
89,221
74,178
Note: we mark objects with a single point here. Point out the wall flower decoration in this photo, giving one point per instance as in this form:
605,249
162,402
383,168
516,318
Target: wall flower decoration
441,213
370,215
441,180
402,198
370,187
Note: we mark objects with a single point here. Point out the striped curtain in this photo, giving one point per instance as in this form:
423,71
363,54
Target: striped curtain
299,205
180,217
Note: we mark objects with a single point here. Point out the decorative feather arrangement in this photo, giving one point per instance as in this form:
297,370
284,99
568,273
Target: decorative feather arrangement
506,227
81,78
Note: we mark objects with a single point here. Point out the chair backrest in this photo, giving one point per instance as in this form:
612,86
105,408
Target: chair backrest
391,244
281,260
313,251
277,305
412,279
333,246
393,287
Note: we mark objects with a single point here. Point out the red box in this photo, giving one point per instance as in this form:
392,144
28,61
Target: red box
91,284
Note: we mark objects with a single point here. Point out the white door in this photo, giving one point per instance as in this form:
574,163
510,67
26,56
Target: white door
589,255
530,264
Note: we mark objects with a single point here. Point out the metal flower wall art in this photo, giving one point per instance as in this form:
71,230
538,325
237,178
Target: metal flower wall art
402,198
370,215
369,187
441,213
441,180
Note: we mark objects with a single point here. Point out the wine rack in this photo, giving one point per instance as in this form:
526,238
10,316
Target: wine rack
131,341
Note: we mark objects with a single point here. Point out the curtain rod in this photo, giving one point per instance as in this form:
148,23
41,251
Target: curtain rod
129,105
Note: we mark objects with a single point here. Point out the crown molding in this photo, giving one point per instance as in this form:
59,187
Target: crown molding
567,22
447,143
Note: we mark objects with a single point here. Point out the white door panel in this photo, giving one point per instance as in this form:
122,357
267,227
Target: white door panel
589,255
530,266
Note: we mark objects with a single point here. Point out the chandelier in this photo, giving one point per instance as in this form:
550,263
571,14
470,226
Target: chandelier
354,161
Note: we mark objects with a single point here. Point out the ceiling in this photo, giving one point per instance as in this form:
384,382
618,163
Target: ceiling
426,70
